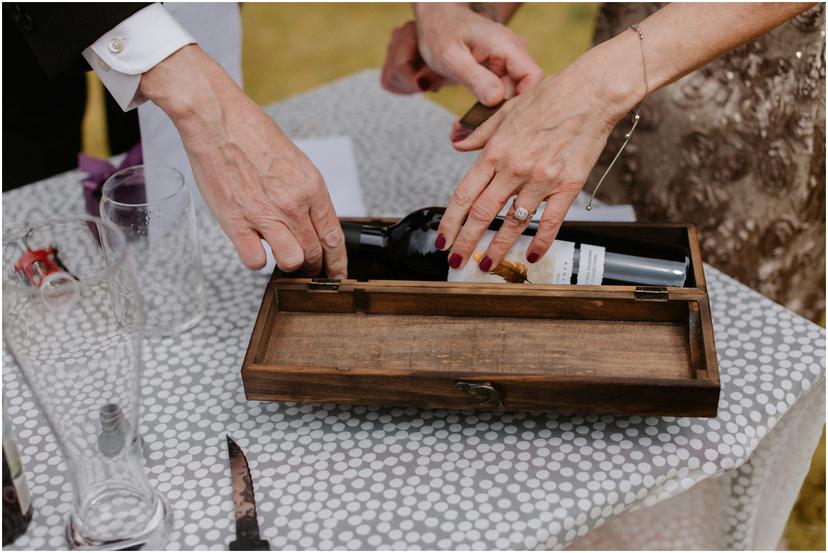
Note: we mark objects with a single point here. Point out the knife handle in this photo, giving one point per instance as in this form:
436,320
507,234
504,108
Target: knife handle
249,545
477,115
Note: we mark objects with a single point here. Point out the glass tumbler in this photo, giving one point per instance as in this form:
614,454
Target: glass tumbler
72,319
151,204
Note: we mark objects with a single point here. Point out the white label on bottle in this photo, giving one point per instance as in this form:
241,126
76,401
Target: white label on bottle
560,259
591,264
555,267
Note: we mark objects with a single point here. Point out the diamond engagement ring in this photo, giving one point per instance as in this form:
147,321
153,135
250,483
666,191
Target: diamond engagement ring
521,213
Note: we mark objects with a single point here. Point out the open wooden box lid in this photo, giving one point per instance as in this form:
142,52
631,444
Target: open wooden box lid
584,349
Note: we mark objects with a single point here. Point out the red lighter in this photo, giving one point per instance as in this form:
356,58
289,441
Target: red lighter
36,265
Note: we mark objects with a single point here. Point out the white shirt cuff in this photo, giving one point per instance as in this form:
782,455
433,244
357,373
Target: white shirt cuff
133,47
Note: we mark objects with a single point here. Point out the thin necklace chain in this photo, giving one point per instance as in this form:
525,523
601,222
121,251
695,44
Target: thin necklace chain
636,116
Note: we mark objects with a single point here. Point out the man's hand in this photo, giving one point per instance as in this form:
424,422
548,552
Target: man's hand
256,181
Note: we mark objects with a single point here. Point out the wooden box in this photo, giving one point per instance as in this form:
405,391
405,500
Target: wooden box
519,347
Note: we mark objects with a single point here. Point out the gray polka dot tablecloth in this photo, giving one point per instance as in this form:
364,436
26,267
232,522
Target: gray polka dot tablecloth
339,477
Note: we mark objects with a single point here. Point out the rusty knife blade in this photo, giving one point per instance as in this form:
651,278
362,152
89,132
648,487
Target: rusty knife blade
244,503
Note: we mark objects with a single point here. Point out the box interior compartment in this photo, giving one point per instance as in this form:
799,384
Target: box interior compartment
481,328
547,346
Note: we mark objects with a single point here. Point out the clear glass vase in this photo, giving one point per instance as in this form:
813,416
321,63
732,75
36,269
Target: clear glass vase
151,204
72,319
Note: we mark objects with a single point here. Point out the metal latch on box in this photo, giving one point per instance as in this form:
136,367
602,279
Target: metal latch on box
651,293
484,392
328,284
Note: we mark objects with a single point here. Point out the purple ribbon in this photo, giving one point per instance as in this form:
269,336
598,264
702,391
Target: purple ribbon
98,170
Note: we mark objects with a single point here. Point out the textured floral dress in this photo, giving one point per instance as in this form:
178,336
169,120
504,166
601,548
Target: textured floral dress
737,148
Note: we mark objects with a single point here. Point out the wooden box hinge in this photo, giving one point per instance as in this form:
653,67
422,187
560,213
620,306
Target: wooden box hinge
651,293
324,284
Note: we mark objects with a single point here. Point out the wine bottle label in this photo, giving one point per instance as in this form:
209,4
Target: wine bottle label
16,472
556,267
591,264
561,256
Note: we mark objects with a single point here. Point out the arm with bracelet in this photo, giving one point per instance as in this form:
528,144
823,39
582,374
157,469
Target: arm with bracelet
543,144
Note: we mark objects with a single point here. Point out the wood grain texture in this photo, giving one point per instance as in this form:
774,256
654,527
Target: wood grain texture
480,344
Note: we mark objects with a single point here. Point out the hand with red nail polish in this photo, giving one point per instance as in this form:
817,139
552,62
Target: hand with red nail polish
485,264
539,146
404,71
459,132
470,48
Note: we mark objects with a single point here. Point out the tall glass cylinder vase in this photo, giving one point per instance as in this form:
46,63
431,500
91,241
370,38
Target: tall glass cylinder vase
151,204
72,315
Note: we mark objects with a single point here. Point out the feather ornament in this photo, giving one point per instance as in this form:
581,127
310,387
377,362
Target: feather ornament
509,271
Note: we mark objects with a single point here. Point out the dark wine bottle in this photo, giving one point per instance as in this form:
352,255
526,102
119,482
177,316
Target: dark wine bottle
406,251
17,504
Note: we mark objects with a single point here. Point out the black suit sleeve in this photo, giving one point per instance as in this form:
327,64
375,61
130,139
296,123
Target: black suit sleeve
57,33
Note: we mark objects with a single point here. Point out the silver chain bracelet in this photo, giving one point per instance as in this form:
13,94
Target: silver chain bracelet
636,116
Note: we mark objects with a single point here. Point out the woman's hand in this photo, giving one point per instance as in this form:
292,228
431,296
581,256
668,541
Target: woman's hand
255,180
541,146
405,72
464,46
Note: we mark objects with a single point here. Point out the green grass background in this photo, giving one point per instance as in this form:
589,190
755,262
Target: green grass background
290,48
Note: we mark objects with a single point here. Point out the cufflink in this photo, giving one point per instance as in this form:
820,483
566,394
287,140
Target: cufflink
116,45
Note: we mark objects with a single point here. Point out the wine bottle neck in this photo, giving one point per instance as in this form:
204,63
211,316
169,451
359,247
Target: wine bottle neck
373,239
365,239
